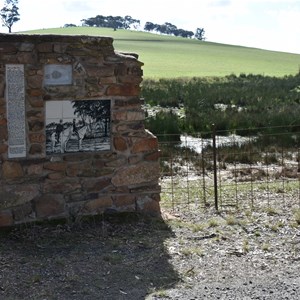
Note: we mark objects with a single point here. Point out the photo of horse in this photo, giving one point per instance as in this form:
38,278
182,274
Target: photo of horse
77,126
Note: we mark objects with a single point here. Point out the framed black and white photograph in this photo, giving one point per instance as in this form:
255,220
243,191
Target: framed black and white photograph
77,126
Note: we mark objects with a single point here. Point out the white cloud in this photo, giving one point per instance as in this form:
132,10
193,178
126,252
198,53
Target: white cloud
270,24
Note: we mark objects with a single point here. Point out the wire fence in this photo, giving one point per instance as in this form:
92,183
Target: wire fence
231,171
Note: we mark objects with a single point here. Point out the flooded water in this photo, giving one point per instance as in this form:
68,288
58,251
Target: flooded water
197,144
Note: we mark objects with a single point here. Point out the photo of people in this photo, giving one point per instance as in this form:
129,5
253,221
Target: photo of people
77,126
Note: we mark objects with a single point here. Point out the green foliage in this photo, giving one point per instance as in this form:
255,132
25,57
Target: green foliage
248,102
213,223
297,216
110,22
231,220
165,125
10,13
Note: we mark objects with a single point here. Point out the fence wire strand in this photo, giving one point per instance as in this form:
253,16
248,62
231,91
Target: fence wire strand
249,173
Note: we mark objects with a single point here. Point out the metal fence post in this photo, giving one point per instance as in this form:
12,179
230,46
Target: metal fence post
215,166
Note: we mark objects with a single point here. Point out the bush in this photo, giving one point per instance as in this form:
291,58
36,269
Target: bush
247,102
165,125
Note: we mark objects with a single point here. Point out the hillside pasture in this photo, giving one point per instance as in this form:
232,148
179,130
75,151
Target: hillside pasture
172,57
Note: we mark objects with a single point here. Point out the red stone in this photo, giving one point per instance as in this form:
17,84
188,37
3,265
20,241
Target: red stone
103,71
130,79
35,81
135,115
152,156
148,204
108,80
136,174
27,58
61,186
25,193
3,134
35,169
120,115
50,205
3,121
55,166
96,185
12,170
120,144
98,205
7,48
3,148
35,149
2,110
124,200
22,212
78,168
45,47
37,138
6,218
145,145
56,175
35,125
35,92
123,90
36,102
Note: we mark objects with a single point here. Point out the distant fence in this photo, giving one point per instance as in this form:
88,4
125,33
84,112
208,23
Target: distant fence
226,170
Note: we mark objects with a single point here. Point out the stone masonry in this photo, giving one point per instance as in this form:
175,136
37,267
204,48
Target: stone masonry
40,187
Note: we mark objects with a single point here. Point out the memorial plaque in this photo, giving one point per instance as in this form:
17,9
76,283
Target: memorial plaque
77,126
58,75
15,101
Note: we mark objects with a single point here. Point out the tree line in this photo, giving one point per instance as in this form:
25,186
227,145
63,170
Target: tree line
171,29
128,22
10,14
111,22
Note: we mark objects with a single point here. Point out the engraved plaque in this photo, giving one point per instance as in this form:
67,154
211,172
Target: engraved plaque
58,75
15,101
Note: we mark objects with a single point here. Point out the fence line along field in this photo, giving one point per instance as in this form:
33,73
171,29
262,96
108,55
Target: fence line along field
255,173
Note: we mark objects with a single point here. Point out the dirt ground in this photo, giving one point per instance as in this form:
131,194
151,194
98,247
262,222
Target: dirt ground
189,254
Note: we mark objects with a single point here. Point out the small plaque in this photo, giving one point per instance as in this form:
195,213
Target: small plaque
58,75
15,101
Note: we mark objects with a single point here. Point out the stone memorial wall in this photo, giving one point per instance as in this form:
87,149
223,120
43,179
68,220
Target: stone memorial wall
72,135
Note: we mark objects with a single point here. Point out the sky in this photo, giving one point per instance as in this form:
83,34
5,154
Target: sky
266,24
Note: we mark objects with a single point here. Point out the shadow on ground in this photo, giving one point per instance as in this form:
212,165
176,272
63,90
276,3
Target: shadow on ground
110,259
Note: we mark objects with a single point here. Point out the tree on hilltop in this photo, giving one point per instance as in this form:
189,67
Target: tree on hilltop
69,25
129,21
168,28
9,14
111,22
200,34
149,26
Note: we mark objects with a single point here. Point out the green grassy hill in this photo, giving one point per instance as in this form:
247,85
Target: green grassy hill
169,57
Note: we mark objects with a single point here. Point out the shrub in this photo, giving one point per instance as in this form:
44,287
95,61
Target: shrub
165,125
247,102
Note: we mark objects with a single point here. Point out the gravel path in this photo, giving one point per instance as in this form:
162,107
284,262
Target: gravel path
192,254
245,255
